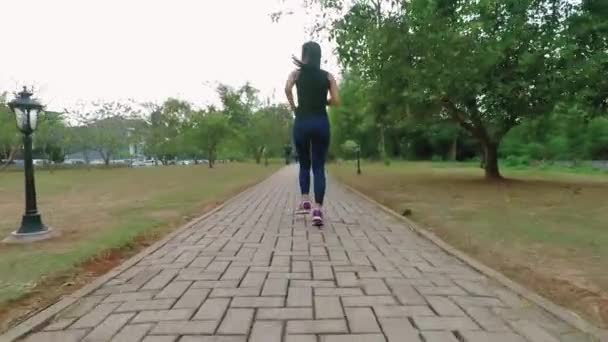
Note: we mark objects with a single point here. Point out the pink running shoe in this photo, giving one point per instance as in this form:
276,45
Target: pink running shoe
304,207
317,218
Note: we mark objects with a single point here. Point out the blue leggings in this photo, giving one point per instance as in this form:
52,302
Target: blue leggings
311,137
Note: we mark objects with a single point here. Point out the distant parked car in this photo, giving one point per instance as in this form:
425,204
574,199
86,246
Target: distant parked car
41,162
74,162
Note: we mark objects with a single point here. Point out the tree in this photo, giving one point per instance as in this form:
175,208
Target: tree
165,125
209,130
51,136
104,128
9,135
485,65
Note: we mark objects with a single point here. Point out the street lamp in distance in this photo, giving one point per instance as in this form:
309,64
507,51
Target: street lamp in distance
27,110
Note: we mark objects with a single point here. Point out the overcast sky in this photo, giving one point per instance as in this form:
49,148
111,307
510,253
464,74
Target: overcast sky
147,50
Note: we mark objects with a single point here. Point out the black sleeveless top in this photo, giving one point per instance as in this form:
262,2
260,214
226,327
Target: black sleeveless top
312,86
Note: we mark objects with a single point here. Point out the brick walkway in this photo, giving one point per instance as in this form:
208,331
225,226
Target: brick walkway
255,272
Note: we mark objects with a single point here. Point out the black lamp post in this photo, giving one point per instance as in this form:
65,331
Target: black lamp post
26,112
358,160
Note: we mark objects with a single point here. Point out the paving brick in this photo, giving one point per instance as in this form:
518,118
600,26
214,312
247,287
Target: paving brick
338,291
129,296
532,331
210,284
174,290
163,315
60,324
154,304
440,336
95,316
362,320
466,301
325,326
441,290
444,306
475,288
184,328
266,331
328,307
313,283
132,333
402,311
347,279
373,274
192,299
407,295
299,296
444,323
160,338
237,321
275,287
301,338
193,274
253,279
322,272
110,326
257,302
160,280
487,319
212,309
483,336
213,339
240,292
300,267
373,287
368,300
57,336
201,261
294,276
353,338
277,269
284,313
398,329
81,307
234,273
217,266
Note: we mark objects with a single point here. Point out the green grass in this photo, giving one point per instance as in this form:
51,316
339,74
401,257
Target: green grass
98,210
549,222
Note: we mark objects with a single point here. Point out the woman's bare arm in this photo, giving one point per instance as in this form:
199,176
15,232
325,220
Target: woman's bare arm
334,97
291,81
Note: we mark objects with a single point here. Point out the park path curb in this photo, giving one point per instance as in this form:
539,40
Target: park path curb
39,319
560,312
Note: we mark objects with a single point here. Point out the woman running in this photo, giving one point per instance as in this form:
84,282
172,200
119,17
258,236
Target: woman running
311,127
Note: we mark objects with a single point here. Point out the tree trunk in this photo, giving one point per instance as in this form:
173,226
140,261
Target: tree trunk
258,155
454,149
11,156
491,161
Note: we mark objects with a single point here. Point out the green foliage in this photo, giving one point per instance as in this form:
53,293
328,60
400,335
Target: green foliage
51,137
415,68
9,136
208,131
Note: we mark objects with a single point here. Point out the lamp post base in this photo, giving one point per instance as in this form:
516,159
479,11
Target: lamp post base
17,238
31,230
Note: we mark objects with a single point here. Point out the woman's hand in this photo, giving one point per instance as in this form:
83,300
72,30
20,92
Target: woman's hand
334,99
291,81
